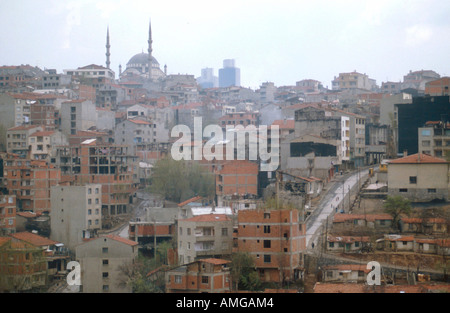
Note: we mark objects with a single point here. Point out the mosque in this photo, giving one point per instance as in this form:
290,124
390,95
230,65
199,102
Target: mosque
142,67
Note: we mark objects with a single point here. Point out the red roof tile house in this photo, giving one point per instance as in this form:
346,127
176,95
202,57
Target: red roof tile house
348,221
345,273
418,177
203,276
22,266
347,243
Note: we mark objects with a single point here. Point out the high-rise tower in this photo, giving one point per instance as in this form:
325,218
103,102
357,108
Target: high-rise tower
108,54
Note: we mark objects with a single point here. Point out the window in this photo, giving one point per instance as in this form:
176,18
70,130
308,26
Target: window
189,231
105,274
205,279
267,244
266,229
331,244
105,288
105,262
403,190
432,190
267,258
413,179
266,215
224,231
178,279
104,250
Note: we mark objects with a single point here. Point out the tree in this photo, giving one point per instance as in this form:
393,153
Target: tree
243,272
396,206
180,180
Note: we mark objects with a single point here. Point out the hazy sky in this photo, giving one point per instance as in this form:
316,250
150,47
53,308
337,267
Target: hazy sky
279,41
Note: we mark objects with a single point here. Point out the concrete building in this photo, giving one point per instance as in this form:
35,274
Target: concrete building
30,181
353,80
92,75
267,92
434,139
101,260
418,79
276,239
418,178
135,131
17,139
41,144
236,177
77,115
52,80
438,87
7,214
391,87
112,166
203,236
410,117
76,213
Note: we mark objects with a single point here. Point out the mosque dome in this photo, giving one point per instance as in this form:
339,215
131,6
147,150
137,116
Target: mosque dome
140,59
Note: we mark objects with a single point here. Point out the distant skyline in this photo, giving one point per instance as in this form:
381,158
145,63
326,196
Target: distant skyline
280,41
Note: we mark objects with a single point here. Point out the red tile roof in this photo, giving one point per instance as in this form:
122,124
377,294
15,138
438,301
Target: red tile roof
285,124
208,218
418,158
215,261
34,239
122,240
341,217
4,240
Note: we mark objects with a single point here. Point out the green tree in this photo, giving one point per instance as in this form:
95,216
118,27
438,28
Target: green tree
243,272
180,180
396,206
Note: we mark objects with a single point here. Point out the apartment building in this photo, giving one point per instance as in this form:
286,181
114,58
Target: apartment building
353,80
110,165
24,267
17,139
236,177
239,118
77,115
92,75
276,239
434,139
41,144
102,259
76,213
438,87
135,131
202,236
7,214
209,275
30,181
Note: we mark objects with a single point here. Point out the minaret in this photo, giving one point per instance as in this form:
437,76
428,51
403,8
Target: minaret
108,54
150,41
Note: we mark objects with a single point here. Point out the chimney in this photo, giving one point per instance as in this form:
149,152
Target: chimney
405,153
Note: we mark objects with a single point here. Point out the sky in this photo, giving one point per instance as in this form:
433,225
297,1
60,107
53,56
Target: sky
281,41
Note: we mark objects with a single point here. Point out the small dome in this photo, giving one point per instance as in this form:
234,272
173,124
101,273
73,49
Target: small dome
141,58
